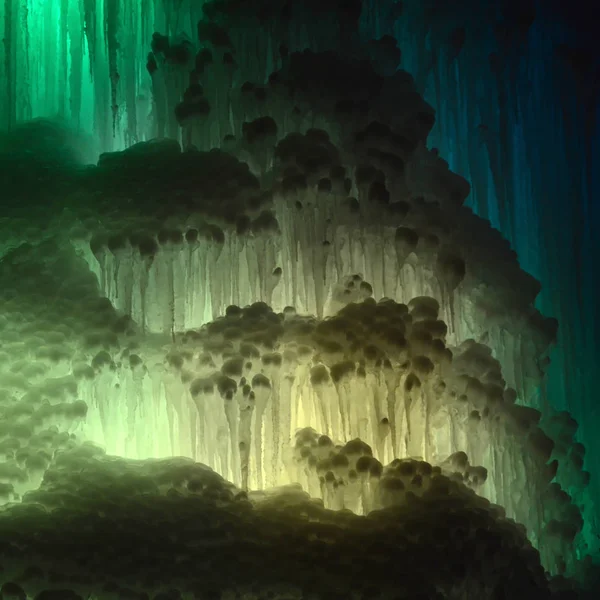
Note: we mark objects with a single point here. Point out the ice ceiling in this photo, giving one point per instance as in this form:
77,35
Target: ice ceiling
272,272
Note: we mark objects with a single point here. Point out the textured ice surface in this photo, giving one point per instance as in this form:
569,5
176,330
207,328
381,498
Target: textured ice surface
104,527
247,393
310,303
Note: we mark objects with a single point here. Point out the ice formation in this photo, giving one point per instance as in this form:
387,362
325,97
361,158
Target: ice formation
285,286
264,545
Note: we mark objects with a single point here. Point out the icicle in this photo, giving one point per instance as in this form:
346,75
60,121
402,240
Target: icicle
319,379
392,381
89,15
76,36
263,390
129,43
111,28
230,393
246,407
10,58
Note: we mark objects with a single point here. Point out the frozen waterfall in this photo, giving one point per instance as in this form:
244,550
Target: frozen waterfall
309,251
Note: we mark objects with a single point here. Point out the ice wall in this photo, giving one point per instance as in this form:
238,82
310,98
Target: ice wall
486,70
248,393
515,87
96,81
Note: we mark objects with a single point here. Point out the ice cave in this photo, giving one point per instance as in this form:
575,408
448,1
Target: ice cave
299,300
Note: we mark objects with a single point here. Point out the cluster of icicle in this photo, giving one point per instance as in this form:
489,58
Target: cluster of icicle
331,178
293,242
318,177
247,392
341,182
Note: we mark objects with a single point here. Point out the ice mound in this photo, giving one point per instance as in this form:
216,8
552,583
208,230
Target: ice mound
50,311
104,527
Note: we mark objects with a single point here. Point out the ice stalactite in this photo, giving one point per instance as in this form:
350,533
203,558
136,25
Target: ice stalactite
76,42
62,42
111,27
10,25
89,24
